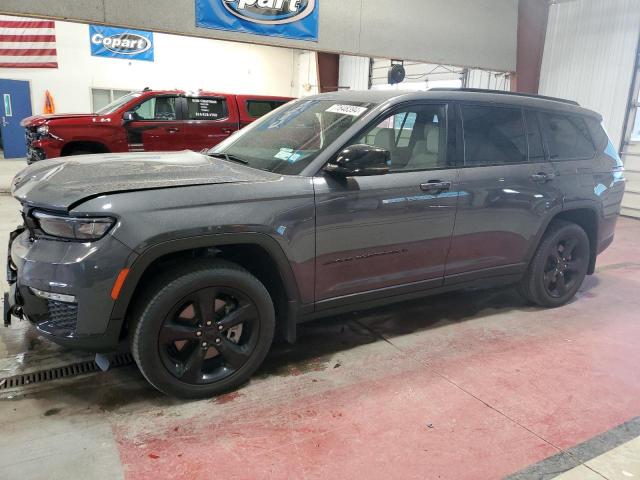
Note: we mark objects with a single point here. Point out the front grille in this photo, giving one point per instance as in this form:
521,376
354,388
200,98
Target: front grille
63,317
30,136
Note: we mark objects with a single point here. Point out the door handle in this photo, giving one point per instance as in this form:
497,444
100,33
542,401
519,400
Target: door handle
435,186
173,129
227,131
542,177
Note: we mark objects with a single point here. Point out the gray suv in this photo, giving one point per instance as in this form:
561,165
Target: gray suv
331,203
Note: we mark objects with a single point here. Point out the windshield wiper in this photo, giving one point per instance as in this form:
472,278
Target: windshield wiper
229,158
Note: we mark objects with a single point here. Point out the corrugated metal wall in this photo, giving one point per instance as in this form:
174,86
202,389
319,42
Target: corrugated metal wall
354,73
589,56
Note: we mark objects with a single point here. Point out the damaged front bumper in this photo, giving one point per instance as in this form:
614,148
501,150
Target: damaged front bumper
12,299
64,289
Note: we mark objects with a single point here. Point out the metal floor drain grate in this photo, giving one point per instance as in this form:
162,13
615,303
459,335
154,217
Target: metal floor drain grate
66,371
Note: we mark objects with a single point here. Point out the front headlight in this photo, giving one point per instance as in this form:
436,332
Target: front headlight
43,130
74,228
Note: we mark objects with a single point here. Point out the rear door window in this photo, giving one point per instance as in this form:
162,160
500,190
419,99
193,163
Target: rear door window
493,135
567,136
206,108
259,108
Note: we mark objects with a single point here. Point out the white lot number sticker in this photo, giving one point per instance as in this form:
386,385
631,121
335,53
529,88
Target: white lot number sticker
352,110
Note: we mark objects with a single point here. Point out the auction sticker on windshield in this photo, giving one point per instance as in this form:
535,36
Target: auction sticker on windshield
352,110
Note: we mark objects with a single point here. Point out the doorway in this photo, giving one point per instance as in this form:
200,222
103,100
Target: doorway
15,96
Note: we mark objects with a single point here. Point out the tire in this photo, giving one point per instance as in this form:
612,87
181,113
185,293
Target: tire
80,152
558,267
194,304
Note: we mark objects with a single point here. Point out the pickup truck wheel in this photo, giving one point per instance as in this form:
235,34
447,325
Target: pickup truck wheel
203,329
80,152
559,266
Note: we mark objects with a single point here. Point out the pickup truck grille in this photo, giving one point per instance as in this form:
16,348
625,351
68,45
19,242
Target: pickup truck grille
30,136
33,153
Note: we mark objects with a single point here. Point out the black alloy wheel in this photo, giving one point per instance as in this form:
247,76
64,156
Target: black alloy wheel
201,328
565,266
558,267
209,335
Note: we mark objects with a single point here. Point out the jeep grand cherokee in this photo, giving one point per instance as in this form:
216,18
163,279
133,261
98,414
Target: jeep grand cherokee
332,203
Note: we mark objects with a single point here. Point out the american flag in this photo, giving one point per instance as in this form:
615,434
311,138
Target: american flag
27,43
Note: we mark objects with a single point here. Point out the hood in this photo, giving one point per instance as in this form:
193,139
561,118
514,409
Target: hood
37,120
61,183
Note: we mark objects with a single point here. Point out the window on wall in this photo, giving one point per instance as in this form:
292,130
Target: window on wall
493,135
101,97
567,136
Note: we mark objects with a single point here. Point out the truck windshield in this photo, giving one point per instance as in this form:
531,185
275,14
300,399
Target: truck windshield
291,137
116,104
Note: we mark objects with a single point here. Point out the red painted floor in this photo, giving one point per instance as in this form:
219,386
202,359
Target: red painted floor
470,385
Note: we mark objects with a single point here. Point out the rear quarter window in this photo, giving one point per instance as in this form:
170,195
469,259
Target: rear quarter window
599,136
567,136
206,108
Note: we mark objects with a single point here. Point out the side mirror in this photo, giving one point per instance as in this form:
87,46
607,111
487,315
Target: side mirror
360,161
128,117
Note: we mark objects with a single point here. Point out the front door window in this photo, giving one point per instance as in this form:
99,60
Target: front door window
156,108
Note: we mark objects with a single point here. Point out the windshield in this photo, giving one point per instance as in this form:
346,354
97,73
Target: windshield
291,137
116,104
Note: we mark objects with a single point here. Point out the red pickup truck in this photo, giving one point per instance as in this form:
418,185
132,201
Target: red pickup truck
149,120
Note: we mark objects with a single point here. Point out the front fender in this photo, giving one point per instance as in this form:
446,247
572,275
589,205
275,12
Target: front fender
138,265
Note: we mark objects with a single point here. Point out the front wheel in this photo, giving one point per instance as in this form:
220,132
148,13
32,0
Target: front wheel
203,330
559,266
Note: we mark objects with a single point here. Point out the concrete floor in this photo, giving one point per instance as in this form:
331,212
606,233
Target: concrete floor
467,385
8,169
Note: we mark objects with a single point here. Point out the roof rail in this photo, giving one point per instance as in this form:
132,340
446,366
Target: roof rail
502,92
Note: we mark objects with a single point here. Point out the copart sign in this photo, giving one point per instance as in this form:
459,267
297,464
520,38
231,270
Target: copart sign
121,43
296,19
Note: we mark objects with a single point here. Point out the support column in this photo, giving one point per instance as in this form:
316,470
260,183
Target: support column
532,30
328,71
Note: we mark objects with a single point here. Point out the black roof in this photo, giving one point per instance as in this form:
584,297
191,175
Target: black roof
502,92
465,94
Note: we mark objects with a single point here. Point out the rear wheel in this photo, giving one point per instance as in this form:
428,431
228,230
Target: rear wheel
203,330
73,153
559,266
